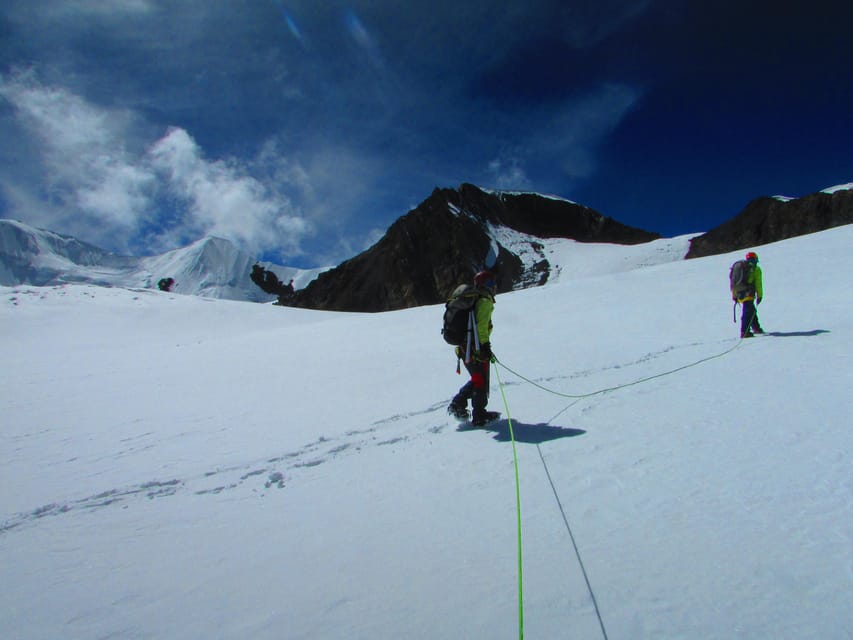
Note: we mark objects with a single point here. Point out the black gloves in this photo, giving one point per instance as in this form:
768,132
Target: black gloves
758,300
486,352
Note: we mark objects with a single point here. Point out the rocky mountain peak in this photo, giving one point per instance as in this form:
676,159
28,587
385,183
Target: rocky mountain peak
450,236
770,219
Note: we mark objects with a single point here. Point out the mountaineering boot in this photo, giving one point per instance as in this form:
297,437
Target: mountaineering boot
458,411
484,418
747,334
757,330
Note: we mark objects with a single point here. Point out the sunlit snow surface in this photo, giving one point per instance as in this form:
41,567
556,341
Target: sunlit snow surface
180,467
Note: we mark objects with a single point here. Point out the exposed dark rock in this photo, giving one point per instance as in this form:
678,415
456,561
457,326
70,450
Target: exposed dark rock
766,220
445,240
543,216
269,283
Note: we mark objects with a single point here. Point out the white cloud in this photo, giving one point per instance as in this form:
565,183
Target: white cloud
223,200
507,173
363,38
119,195
88,168
107,8
576,132
102,191
567,137
372,237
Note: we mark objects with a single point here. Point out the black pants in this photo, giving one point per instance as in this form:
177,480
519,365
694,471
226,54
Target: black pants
749,317
476,389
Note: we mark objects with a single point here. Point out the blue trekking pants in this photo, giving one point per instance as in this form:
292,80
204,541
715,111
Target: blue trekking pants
749,317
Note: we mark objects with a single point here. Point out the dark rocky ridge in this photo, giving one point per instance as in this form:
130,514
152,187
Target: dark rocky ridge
445,240
767,219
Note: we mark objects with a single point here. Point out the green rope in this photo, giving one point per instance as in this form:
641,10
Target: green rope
495,360
517,507
627,384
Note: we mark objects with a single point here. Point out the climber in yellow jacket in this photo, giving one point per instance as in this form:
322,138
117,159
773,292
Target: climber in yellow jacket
749,294
477,358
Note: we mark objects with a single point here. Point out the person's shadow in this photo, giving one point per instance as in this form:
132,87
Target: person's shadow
525,433
796,334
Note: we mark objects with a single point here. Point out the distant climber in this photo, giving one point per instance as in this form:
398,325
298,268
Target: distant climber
745,282
166,284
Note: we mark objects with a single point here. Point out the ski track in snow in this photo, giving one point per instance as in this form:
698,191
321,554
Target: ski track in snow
275,472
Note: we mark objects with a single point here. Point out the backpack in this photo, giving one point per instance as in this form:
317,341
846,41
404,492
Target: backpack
457,314
739,275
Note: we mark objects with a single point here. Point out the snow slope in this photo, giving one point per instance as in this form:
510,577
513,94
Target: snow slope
571,260
210,267
179,467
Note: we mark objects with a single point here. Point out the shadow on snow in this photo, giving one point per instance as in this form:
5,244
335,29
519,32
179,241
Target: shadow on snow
796,334
525,433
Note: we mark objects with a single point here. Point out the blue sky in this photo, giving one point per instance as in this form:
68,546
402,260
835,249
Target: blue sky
302,129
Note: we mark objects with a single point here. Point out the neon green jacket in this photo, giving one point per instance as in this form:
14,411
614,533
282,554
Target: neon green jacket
483,316
483,309
756,286
757,282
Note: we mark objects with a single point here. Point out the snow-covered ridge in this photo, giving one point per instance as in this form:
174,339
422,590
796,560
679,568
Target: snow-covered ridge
210,267
571,260
501,193
840,187
829,190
